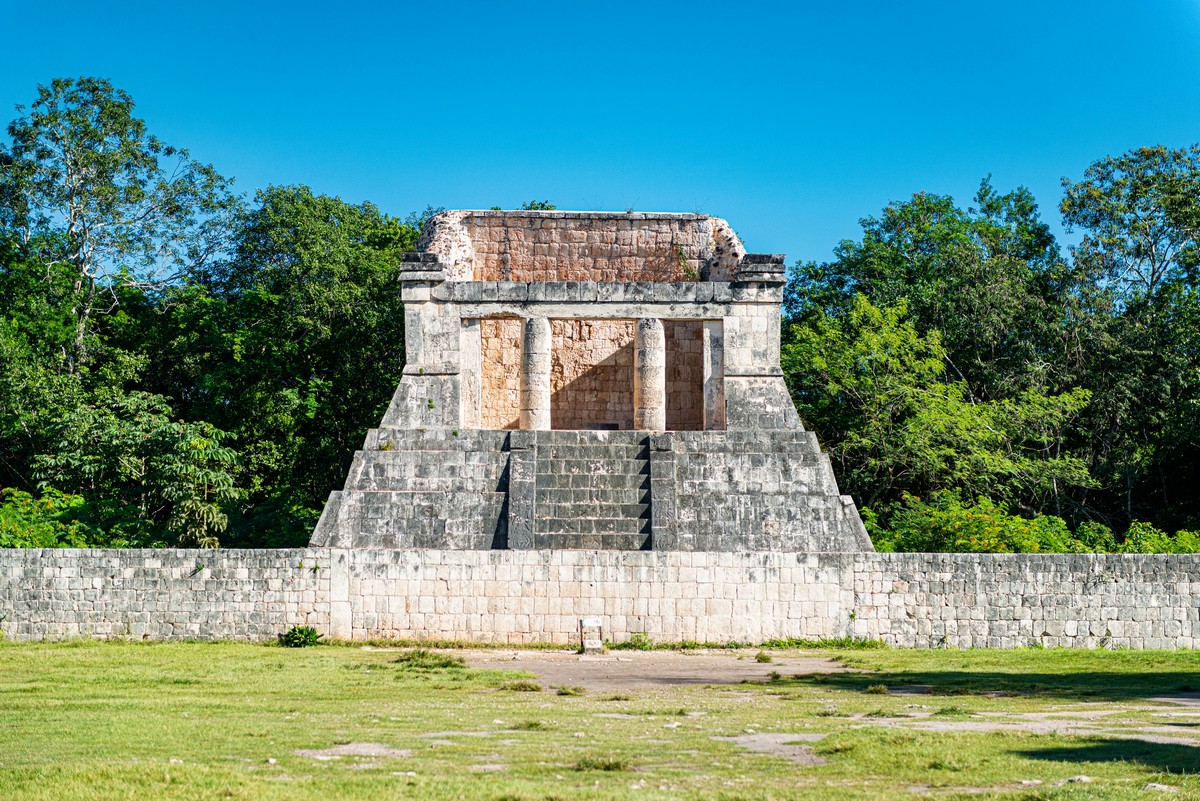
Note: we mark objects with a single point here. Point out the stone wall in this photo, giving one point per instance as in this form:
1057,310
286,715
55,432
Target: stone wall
921,600
433,392
591,374
582,246
685,375
500,367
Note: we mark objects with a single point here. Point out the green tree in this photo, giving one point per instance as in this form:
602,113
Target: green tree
1140,213
875,391
85,181
53,520
990,279
1135,326
294,345
151,480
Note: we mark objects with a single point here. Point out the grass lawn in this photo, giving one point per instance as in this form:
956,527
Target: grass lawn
84,720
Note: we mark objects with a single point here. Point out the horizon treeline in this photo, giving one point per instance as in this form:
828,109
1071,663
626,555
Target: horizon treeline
182,365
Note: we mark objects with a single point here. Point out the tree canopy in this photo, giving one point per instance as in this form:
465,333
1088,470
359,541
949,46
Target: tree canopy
180,364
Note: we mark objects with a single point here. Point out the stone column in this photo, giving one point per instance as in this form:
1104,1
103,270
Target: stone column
471,373
535,375
650,376
714,375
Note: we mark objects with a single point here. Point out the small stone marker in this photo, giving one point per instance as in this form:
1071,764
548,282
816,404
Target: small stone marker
591,634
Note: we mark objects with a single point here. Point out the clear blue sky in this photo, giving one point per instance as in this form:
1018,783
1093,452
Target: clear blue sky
791,120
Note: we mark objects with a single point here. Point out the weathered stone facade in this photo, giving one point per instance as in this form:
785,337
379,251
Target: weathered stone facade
635,360
913,600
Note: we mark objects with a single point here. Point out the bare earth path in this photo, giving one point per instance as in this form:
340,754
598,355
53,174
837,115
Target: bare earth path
622,670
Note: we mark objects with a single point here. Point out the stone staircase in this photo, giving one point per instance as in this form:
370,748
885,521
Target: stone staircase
592,490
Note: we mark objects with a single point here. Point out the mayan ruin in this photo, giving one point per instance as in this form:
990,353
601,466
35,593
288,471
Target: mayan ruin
591,380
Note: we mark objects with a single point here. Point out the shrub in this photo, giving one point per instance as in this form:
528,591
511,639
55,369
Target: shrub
1145,538
947,523
638,641
54,520
421,659
601,763
300,637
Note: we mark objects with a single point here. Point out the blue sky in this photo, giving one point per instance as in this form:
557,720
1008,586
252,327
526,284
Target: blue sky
791,120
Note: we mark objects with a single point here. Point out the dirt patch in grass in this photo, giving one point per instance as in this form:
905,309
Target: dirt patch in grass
641,669
788,746
355,749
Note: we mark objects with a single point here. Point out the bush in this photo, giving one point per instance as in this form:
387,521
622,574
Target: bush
421,659
54,520
300,637
638,641
1145,538
947,523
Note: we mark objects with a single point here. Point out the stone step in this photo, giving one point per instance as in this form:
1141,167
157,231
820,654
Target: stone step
590,438
429,471
386,483
604,481
548,508
592,467
589,525
638,541
592,452
768,438
435,439
592,542
414,519
592,495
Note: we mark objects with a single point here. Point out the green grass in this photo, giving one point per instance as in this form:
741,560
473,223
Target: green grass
89,721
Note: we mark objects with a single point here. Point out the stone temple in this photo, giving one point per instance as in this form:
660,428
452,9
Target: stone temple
590,380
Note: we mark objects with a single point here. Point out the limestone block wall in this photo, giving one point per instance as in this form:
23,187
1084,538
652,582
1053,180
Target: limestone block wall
500,366
920,600
591,374
685,374
582,246
168,594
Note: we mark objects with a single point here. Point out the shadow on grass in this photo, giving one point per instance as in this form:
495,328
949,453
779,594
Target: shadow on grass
1095,685
1156,756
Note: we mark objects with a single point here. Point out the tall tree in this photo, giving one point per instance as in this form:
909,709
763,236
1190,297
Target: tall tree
295,345
990,279
876,392
1140,214
1136,328
85,181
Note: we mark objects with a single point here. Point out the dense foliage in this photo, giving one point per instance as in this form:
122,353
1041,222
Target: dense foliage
182,365
1038,401
178,366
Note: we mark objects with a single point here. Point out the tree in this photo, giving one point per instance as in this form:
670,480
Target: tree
86,183
150,479
990,279
1140,213
875,391
54,520
295,345
1135,325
